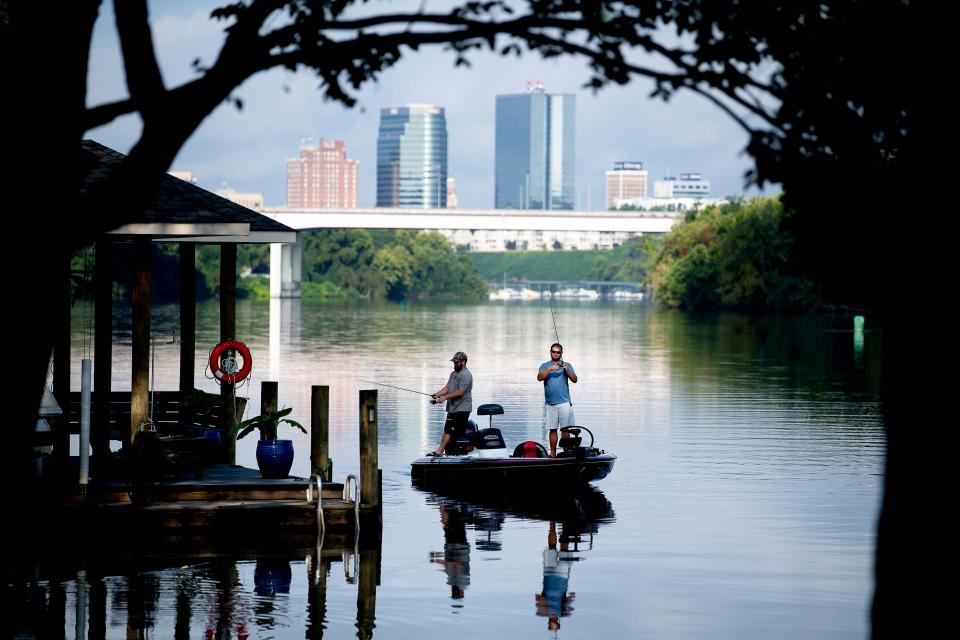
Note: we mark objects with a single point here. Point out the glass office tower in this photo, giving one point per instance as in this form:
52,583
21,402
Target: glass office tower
535,151
412,157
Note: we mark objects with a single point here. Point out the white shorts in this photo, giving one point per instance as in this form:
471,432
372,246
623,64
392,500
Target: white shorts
558,416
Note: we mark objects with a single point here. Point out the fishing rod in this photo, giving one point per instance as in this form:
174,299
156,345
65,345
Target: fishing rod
557,333
553,317
380,384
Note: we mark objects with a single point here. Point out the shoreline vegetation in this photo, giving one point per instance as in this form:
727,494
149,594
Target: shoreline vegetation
734,256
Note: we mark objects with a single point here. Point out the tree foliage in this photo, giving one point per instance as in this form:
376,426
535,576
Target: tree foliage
396,265
626,263
735,255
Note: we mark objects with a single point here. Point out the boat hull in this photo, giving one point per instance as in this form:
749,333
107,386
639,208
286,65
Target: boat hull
525,473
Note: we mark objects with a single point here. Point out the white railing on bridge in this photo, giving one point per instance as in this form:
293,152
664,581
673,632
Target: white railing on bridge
479,219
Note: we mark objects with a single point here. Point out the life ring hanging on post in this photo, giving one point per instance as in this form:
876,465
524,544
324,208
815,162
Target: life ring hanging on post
223,361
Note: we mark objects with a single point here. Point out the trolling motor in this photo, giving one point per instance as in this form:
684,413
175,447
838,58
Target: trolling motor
570,444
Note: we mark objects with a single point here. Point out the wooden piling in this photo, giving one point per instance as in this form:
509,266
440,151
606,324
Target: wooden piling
188,314
140,378
369,493
102,353
61,355
269,393
320,431
228,330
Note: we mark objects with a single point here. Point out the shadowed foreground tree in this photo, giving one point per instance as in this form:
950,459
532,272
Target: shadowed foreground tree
827,92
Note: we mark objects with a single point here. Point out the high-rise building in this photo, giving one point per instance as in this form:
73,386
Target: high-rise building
322,177
690,185
412,157
627,180
535,151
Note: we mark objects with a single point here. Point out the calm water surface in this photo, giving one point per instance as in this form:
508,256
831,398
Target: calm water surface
743,503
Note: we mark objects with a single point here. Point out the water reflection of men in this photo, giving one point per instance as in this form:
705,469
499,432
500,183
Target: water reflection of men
455,556
554,602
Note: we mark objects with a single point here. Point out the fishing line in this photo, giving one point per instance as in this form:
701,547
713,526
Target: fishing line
381,384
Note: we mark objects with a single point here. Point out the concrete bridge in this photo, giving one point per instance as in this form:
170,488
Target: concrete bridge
606,227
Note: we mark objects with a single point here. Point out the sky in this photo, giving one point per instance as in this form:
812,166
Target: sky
246,149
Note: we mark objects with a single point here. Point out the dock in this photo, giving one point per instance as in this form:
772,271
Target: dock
227,497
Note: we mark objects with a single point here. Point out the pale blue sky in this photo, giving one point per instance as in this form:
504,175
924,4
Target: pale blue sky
248,149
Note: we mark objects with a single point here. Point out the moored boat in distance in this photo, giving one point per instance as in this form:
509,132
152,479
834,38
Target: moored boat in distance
481,457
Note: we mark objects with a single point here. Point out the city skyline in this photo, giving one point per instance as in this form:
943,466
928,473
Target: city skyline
247,148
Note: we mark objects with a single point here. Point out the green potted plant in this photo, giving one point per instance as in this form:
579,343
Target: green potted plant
274,456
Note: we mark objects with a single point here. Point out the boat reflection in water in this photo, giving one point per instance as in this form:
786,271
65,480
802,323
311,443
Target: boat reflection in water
570,522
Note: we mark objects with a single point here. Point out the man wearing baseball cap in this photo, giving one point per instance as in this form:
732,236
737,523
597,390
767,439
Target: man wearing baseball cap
456,393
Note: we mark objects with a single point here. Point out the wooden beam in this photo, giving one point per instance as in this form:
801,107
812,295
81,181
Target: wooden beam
61,355
102,353
188,314
269,392
320,431
140,378
368,448
228,330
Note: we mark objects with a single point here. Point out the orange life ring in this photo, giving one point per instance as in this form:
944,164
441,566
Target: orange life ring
224,365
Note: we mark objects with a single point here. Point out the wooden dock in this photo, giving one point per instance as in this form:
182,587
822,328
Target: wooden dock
229,497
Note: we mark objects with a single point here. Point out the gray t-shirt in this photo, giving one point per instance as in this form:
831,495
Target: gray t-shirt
462,379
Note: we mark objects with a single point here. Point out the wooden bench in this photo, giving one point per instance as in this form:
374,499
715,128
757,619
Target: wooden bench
180,422
173,414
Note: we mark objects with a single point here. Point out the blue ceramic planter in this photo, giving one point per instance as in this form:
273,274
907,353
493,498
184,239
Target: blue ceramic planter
213,436
275,457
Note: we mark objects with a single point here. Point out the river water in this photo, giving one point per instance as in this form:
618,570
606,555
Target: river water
743,503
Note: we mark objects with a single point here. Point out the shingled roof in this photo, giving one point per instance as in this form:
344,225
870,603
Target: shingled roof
184,212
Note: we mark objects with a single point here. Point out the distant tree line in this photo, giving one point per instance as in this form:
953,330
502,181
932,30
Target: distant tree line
353,263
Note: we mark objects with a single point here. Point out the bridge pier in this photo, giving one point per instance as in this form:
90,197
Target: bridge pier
286,269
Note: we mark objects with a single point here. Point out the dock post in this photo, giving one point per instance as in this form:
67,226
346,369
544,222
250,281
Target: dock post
102,355
320,431
140,352
61,358
188,315
269,392
228,331
368,448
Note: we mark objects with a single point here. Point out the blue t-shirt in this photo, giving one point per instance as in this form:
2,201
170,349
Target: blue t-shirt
556,388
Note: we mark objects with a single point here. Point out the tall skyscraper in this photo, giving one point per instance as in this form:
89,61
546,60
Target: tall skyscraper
535,152
322,177
627,180
412,157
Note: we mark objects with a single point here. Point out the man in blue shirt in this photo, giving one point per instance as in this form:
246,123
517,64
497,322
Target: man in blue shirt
556,376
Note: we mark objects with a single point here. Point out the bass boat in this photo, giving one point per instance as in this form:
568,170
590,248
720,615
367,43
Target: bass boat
481,457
